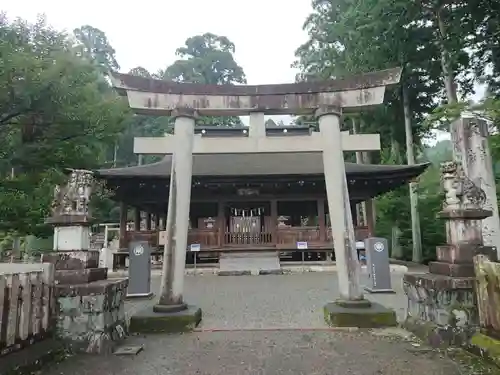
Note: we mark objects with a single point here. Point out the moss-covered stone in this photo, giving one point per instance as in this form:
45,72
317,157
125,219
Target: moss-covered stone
234,273
372,316
148,321
487,347
436,335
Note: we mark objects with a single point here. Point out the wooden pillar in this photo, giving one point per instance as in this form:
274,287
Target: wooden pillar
221,222
137,219
123,225
354,213
274,221
370,222
148,221
321,219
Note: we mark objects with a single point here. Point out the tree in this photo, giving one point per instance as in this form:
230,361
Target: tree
207,59
94,45
54,114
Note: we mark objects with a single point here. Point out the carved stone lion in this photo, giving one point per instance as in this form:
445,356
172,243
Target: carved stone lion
73,197
459,189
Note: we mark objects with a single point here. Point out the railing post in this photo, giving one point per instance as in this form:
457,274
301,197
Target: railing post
274,222
321,219
221,220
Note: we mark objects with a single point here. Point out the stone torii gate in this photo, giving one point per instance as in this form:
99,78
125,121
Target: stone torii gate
327,100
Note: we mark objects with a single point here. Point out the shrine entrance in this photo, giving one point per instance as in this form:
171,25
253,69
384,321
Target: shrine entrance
248,224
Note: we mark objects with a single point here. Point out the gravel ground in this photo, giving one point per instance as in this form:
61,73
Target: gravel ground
271,325
273,301
257,352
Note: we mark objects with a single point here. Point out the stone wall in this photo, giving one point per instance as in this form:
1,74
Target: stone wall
92,316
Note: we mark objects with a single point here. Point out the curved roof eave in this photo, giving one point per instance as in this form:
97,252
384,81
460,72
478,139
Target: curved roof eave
223,165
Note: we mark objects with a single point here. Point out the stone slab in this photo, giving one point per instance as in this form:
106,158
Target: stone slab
439,282
149,295
93,288
234,273
72,260
250,261
81,276
374,316
451,269
129,350
148,321
380,291
463,253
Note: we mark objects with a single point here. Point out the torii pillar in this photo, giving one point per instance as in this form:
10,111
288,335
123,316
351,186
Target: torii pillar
326,99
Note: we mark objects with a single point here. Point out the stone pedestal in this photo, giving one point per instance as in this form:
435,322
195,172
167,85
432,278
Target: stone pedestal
91,316
441,303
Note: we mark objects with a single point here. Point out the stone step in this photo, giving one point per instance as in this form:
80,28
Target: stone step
253,254
260,261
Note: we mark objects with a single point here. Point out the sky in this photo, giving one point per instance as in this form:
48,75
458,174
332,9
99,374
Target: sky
266,33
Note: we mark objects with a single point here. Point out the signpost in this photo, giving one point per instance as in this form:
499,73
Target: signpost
377,254
139,271
302,245
195,247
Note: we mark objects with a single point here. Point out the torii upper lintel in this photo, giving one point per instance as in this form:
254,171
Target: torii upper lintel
159,97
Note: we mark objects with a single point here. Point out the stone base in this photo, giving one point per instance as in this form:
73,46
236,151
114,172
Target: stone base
362,314
81,276
72,260
452,269
91,317
148,321
441,309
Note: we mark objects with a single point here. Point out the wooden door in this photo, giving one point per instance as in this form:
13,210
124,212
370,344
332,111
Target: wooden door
245,230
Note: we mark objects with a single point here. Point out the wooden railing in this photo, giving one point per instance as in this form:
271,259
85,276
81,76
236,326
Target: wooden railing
247,238
360,233
204,237
144,235
27,304
292,235
210,238
488,294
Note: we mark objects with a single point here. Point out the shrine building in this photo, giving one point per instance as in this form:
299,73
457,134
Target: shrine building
249,201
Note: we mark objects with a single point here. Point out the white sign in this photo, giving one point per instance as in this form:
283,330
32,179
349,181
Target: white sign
138,250
162,237
379,247
195,247
302,245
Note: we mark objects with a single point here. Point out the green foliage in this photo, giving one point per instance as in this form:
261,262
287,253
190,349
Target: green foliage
439,44
393,209
93,45
207,59
56,111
